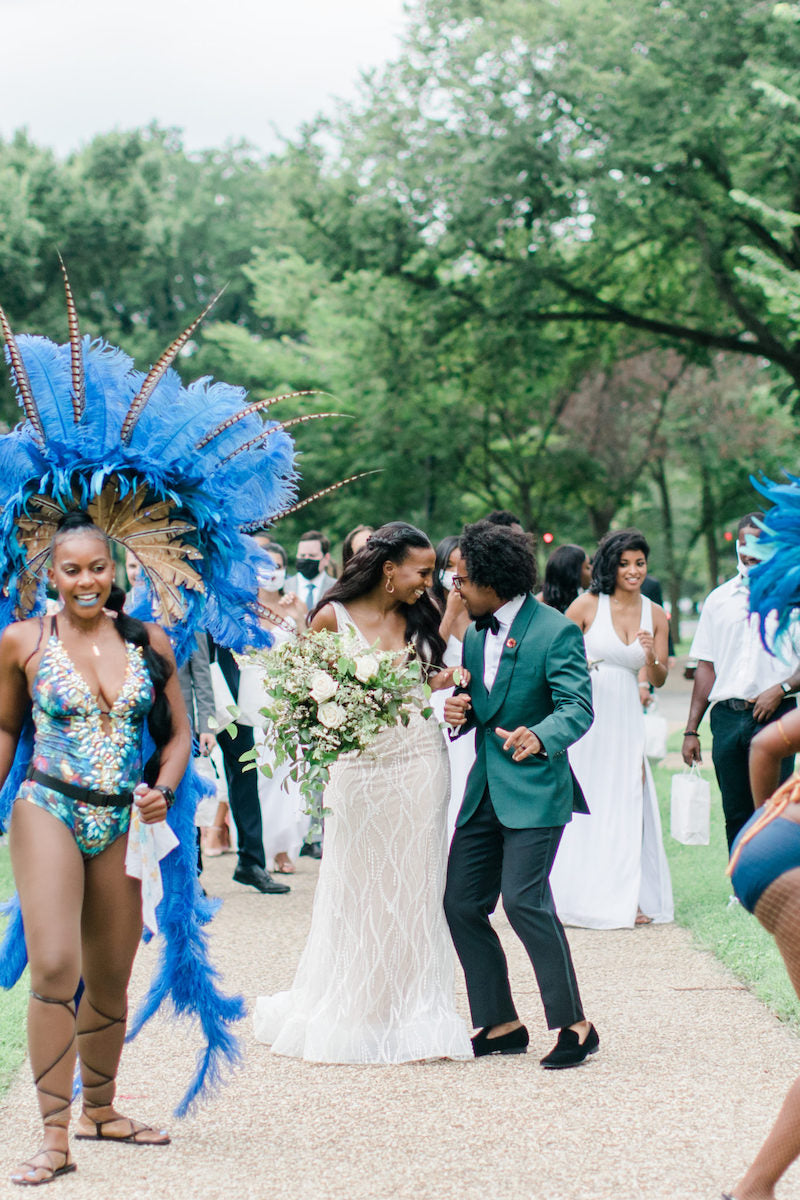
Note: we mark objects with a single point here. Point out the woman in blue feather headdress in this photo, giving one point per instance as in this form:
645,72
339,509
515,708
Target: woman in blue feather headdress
177,476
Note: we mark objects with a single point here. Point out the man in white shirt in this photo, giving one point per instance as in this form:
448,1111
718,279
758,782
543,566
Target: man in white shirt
313,558
747,686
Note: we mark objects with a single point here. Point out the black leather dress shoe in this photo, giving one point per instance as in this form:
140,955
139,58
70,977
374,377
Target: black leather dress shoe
259,879
311,850
515,1042
569,1051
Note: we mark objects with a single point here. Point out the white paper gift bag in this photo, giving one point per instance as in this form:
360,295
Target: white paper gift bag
655,732
690,807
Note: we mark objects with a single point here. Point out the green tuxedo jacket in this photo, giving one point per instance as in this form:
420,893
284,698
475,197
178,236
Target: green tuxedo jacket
543,683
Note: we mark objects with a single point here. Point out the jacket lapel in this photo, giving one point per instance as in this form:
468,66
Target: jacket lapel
508,657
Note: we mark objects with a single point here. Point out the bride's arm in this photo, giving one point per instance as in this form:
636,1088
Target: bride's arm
449,677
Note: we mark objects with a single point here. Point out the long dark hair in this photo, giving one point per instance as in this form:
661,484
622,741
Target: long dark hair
562,576
347,544
443,551
608,554
159,719
363,573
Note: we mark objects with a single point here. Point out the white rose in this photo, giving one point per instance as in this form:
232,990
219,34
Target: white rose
366,667
323,686
332,715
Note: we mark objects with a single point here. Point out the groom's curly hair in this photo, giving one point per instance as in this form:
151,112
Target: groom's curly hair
500,558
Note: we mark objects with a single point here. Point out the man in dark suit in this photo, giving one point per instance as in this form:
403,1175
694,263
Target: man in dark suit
312,580
251,868
528,698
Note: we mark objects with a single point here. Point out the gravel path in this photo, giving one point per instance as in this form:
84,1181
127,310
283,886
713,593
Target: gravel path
688,1079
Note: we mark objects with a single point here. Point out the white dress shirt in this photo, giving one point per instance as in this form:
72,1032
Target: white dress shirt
729,637
493,647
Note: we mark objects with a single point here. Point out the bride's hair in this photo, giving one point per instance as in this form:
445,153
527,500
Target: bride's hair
364,571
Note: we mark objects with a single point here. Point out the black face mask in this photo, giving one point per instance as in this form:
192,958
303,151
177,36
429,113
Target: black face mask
308,567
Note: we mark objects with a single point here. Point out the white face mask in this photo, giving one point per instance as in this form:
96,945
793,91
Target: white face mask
447,580
743,568
274,580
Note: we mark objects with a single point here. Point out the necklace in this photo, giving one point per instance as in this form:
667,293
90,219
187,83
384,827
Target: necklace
288,625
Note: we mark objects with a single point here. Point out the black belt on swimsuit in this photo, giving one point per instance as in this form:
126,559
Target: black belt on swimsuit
85,795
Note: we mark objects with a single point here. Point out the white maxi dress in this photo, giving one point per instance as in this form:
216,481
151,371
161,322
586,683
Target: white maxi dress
611,863
375,982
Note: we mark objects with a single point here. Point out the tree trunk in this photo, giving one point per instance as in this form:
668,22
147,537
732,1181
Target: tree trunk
673,580
708,510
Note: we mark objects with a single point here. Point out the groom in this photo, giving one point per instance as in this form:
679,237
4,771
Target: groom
528,698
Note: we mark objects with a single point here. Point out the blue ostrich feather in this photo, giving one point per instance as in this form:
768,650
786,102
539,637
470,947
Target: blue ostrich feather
218,489
185,976
13,953
775,582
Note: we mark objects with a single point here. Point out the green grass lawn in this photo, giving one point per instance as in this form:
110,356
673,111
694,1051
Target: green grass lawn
12,1004
702,889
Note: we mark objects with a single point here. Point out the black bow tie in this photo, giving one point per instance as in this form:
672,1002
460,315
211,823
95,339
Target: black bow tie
488,621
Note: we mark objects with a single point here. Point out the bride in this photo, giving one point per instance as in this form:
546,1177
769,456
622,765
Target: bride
375,980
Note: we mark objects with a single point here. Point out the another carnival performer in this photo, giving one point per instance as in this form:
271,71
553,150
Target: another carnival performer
93,679
765,857
108,459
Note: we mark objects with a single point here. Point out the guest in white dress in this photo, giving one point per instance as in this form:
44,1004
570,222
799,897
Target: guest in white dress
375,983
455,621
611,871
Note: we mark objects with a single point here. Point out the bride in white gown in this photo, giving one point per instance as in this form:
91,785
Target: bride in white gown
611,871
375,982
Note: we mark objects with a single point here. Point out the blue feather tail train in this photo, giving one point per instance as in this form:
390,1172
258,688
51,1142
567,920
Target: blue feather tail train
185,975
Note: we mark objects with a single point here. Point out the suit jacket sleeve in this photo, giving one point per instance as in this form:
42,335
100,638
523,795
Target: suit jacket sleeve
202,688
567,677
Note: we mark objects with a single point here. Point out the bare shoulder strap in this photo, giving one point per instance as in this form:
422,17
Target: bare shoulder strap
38,643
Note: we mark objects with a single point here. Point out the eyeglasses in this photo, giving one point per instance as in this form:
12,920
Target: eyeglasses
458,581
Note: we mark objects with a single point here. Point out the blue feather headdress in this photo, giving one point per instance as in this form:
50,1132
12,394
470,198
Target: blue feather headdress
178,476
775,582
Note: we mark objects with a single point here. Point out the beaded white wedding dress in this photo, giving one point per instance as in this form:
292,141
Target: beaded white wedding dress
375,983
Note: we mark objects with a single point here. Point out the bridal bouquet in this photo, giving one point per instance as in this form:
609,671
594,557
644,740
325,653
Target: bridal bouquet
326,695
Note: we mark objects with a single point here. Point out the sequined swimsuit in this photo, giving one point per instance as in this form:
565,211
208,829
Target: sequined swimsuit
71,743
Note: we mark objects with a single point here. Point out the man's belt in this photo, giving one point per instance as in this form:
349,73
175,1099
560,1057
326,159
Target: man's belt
85,795
737,705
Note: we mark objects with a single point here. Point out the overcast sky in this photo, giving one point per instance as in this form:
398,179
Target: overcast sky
218,69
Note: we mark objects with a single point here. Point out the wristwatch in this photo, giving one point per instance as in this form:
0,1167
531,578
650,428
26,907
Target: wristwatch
786,688
166,792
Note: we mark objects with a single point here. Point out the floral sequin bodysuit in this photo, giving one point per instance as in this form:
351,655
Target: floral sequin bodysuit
72,744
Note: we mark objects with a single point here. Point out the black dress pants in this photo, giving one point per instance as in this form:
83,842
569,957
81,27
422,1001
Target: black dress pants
732,731
487,859
242,785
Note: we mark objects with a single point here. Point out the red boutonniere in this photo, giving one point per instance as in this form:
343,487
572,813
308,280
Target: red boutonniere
511,643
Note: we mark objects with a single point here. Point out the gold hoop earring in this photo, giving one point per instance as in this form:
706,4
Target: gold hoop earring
389,587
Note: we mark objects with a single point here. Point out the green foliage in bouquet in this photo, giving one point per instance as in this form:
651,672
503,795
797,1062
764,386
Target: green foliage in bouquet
325,696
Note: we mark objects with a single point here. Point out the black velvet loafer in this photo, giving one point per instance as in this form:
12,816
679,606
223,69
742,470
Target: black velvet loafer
515,1042
256,877
569,1051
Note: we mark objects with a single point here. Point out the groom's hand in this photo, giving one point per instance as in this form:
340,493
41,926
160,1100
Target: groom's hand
455,710
521,741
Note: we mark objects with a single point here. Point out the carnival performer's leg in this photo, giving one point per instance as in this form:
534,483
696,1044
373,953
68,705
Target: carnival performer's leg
111,928
48,871
778,910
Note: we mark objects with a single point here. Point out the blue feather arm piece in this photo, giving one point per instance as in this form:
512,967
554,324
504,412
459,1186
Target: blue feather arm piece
240,478
775,582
